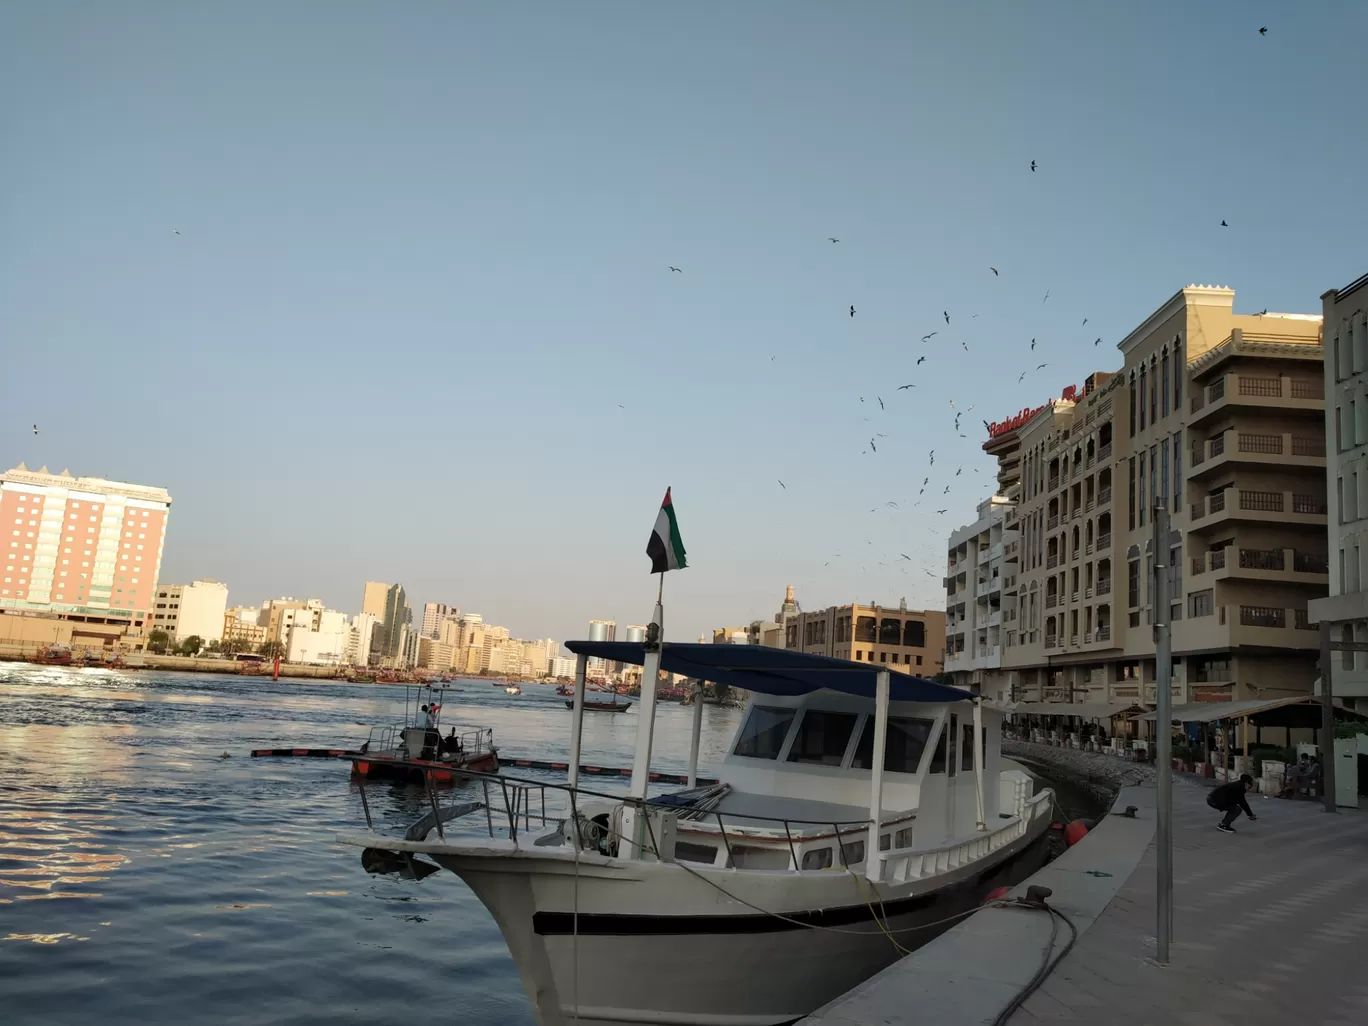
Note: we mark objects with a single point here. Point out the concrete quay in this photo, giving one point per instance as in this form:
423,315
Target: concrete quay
1270,926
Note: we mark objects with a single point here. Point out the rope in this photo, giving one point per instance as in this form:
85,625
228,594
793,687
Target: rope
1048,959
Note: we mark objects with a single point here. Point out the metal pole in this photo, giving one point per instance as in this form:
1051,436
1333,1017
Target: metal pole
696,733
1327,731
646,704
1163,724
577,718
873,857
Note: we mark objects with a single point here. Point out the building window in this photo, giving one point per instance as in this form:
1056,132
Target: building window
1164,466
1164,377
1133,583
914,634
859,657
919,660
883,657
1201,603
1142,491
1130,475
1177,471
1132,406
1142,398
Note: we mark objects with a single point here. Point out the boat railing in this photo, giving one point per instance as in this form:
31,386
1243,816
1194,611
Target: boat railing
383,739
903,865
520,804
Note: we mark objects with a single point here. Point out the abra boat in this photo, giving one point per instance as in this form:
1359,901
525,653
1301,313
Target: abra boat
860,813
415,749
599,705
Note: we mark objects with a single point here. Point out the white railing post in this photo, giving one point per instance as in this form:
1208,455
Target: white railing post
873,861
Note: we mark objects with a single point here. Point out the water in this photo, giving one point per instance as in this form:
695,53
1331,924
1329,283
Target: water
145,879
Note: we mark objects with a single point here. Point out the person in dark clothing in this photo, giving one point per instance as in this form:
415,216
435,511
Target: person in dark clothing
1230,799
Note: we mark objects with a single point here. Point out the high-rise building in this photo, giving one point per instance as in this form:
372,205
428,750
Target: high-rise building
603,630
398,617
1345,383
81,547
634,633
191,610
359,632
315,636
1221,415
374,598
907,640
433,615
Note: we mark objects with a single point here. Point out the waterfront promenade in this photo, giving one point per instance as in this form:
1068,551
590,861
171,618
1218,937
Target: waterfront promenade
1270,926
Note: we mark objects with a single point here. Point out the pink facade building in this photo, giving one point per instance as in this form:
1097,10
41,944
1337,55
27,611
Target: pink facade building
79,546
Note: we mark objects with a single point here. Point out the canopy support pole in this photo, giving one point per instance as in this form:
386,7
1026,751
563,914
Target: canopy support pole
577,718
695,733
873,857
646,708
978,759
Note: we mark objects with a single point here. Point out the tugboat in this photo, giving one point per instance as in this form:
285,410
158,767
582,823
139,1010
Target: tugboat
417,748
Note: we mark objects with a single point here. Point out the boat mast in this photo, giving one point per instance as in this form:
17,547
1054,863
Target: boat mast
873,857
697,731
577,719
646,710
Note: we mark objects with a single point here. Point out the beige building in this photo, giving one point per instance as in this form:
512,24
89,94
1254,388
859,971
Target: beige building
240,625
909,640
435,655
1346,422
1220,414
191,610
373,601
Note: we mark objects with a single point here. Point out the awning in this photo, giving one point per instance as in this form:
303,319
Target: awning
1086,710
1295,711
772,671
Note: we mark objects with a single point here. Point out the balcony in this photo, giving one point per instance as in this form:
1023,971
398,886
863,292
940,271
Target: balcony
1051,641
1234,504
1273,565
1075,514
1244,625
1053,483
1105,452
1260,392
1051,561
1252,448
1104,496
1103,542
1101,634
1051,601
1104,587
1052,523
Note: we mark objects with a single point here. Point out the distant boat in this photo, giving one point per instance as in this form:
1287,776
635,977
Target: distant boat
55,655
513,689
598,705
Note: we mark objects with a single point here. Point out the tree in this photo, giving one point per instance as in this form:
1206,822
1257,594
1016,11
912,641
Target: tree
232,646
272,650
191,645
214,645
157,641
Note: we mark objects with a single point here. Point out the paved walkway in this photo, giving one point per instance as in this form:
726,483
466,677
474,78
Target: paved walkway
1270,927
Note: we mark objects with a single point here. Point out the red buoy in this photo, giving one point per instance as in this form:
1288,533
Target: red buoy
997,894
1075,832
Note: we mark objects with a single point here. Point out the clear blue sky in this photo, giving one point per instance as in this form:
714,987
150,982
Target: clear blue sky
419,323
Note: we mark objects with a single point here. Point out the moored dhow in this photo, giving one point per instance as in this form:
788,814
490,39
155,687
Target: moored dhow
859,813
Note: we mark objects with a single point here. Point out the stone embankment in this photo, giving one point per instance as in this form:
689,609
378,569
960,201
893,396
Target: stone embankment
1095,769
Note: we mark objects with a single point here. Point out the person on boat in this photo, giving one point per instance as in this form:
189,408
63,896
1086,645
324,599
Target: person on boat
1230,799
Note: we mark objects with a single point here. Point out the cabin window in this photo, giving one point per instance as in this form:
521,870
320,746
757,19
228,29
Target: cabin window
763,735
904,746
967,746
704,853
903,838
938,757
751,857
854,852
817,858
822,737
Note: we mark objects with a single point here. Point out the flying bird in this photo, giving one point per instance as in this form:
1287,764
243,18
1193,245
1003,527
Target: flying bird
676,270
1033,165
1033,343
905,556
35,429
873,446
1224,225
1041,366
933,457
901,387
881,405
174,232
1085,322
928,338
921,360
994,270
946,315
830,239
1097,342
1047,295
959,471
1022,378
947,490
966,346
621,407
1263,31
924,480
852,310
942,511
782,485
987,426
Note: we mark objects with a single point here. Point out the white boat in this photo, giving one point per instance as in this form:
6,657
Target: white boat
809,868
513,689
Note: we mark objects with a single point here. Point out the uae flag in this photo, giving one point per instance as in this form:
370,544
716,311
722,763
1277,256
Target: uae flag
666,548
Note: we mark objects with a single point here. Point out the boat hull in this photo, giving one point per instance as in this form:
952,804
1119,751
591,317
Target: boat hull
630,942
382,766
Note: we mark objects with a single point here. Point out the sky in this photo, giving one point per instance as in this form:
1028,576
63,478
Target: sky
419,322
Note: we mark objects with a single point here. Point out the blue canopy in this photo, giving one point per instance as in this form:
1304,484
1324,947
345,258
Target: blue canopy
772,671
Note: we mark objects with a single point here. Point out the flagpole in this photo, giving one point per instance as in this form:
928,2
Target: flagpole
646,702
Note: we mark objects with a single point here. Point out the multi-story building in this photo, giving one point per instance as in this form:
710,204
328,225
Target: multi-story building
392,637
1219,414
909,640
81,547
634,633
374,599
434,614
982,563
240,626
1346,421
315,635
602,630
191,610
434,655
277,616
359,632
562,667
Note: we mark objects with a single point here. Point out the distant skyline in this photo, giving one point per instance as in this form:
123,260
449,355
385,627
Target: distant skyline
386,293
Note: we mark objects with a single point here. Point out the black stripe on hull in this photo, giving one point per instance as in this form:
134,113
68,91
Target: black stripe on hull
950,899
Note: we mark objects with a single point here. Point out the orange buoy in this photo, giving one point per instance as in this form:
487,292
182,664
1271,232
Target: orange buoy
997,894
1075,832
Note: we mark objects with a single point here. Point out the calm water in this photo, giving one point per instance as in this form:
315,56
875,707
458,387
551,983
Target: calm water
143,878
